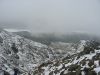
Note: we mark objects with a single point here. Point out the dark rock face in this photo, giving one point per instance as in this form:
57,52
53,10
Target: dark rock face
15,50
16,71
98,73
92,73
6,73
51,73
8,51
91,63
87,50
90,47
1,40
73,67
16,56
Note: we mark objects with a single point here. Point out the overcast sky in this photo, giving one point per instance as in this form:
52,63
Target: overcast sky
51,15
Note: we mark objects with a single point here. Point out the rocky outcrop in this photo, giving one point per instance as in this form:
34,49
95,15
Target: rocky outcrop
86,62
23,54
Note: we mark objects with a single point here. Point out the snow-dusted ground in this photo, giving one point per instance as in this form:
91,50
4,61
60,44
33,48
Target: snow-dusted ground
84,62
21,53
27,56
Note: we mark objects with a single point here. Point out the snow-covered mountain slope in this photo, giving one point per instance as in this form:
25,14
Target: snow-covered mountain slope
22,54
85,62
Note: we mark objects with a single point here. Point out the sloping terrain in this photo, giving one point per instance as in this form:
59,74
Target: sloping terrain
19,53
24,55
86,62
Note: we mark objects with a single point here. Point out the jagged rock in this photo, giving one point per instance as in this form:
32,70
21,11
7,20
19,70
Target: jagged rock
1,40
6,73
73,67
91,63
96,57
15,50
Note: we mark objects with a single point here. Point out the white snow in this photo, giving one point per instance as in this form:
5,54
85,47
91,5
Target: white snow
59,67
97,69
82,73
96,63
15,30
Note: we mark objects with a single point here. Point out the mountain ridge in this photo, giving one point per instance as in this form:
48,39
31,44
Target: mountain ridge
26,56
52,37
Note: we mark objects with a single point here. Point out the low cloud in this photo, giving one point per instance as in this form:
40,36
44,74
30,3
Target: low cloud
60,16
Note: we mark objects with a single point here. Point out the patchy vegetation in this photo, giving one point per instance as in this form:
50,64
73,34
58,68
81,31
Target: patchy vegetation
86,62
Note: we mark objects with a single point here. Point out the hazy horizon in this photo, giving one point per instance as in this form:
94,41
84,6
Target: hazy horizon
51,16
